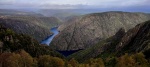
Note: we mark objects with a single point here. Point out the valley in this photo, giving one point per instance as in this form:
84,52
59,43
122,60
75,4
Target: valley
54,38
36,25
85,31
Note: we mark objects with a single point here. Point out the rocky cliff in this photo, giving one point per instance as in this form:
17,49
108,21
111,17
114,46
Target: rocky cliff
89,29
136,39
133,41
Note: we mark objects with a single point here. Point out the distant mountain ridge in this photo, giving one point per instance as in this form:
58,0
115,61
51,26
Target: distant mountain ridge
13,12
87,30
34,25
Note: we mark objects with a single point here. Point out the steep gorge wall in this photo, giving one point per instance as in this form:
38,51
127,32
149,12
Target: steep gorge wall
83,32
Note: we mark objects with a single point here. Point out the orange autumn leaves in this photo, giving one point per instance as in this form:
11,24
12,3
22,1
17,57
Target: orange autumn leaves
20,59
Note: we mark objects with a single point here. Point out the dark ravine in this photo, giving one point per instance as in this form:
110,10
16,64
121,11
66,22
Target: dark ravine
67,53
87,30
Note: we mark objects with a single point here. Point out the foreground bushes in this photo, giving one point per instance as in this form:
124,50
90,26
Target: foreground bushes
135,60
22,59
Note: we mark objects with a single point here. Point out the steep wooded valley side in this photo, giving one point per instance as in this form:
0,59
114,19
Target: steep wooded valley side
87,30
37,27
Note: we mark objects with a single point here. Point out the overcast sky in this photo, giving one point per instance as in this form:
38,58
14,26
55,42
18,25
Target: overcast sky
73,4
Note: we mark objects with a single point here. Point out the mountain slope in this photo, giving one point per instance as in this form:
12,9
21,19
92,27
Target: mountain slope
136,39
11,41
103,48
38,27
83,32
133,41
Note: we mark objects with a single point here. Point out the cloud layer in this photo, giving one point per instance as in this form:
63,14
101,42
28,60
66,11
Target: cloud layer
72,4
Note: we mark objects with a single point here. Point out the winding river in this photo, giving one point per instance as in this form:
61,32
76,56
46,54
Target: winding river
49,39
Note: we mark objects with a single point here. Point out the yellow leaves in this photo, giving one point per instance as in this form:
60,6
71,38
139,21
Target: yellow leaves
125,61
98,62
135,60
73,62
59,62
14,61
21,59
44,61
84,65
48,61
26,59
140,60
11,60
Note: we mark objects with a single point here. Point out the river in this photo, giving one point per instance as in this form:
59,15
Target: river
49,39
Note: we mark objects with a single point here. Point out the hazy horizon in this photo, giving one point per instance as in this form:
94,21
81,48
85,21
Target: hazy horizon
103,5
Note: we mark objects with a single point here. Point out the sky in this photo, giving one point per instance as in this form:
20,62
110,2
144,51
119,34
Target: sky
74,4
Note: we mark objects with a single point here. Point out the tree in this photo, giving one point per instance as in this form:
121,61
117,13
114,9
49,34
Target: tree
14,61
84,65
98,62
27,60
48,61
140,60
3,59
134,60
125,61
57,62
20,59
73,62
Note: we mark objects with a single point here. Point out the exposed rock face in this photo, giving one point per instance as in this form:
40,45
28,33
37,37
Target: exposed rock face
83,32
136,39
68,22
104,46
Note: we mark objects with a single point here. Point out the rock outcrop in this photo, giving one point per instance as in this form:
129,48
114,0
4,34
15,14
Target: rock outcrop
89,29
136,39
